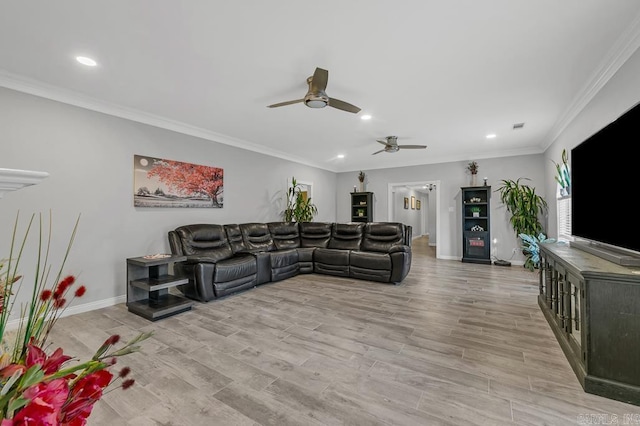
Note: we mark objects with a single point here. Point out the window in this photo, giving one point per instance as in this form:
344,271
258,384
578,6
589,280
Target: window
564,218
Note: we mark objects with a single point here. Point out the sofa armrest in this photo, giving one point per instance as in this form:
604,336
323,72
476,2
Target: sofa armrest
200,276
400,265
399,248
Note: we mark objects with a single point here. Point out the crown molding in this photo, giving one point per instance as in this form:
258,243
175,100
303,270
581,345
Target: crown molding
625,46
54,93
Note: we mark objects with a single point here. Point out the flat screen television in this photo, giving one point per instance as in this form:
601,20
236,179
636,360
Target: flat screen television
604,216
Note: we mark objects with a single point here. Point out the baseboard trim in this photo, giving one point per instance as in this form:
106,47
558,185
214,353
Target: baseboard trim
78,309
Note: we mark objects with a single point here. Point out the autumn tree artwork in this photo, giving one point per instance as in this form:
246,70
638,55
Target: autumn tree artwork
168,183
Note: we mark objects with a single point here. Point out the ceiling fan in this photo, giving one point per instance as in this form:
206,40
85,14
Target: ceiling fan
391,145
316,96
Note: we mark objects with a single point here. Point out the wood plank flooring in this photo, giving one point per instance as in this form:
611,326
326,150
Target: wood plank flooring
454,344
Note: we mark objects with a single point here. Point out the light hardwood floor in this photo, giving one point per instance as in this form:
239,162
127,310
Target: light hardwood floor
454,344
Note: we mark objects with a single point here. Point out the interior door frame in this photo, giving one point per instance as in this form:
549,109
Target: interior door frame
436,189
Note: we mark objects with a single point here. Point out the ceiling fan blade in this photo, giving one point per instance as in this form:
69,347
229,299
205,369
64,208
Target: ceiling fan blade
337,103
378,152
297,101
382,141
319,80
412,146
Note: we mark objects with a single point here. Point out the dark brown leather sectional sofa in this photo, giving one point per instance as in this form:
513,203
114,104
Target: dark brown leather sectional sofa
224,259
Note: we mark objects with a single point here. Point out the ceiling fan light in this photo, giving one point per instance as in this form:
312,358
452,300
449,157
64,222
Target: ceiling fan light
316,103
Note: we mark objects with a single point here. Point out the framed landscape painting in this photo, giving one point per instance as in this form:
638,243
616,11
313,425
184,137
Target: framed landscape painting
168,183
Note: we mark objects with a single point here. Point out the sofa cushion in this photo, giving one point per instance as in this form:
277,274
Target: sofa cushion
305,259
370,260
284,264
346,236
381,237
235,286
331,261
285,235
204,240
234,268
373,266
256,237
314,234
234,236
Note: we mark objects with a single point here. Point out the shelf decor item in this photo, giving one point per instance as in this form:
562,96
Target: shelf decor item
361,177
40,385
475,211
563,176
473,169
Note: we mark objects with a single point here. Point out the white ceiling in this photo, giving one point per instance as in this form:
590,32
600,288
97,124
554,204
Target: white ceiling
436,73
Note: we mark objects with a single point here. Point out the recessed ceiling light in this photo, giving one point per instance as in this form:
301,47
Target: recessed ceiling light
366,117
491,135
340,155
86,61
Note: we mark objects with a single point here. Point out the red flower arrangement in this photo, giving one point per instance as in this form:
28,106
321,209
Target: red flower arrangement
41,389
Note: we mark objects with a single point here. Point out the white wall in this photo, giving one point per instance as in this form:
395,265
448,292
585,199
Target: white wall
89,156
409,216
620,93
452,176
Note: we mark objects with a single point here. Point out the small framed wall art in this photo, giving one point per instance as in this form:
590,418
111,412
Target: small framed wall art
418,204
413,202
406,202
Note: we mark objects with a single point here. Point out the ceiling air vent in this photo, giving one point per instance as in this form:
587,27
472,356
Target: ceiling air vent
518,126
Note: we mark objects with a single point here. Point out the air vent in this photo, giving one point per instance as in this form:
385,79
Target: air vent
518,126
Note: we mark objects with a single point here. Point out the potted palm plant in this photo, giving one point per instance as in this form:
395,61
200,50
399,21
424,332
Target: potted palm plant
299,207
525,208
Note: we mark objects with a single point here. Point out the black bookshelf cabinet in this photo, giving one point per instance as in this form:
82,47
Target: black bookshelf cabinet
476,224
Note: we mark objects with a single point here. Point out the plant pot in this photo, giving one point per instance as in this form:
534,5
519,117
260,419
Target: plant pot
361,187
476,214
474,179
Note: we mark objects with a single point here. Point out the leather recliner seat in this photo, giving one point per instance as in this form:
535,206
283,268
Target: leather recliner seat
211,264
225,259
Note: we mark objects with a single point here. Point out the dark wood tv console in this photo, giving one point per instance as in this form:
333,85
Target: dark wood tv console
593,308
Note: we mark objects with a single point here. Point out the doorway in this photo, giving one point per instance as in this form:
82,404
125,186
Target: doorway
417,204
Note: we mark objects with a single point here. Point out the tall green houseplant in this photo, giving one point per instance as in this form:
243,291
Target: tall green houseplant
299,208
525,208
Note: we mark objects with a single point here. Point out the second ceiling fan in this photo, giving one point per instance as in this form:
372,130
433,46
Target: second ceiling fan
316,96
391,145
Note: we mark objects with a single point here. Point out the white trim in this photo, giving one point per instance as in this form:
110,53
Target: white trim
625,46
43,90
390,187
78,309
